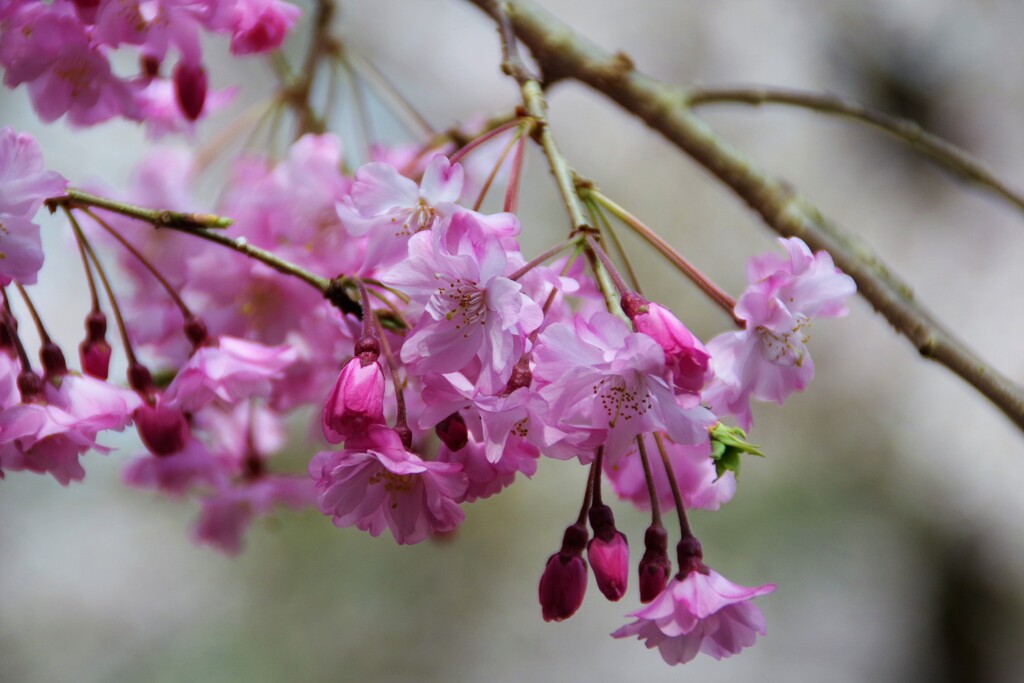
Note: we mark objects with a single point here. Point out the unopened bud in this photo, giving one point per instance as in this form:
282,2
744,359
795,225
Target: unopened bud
355,402
564,581
453,432
190,85
655,566
608,553
52,358
94,351
164,430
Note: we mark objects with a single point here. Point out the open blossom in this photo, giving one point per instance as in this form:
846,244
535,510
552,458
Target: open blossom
376,484
227,370
699,612
261,25
24,184
227,514
605,386
472,309
769,360
48,433
388,208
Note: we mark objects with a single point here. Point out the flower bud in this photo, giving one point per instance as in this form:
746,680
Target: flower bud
452,431
190,84
94,351
685,355
52,358
564,581
356,402
655,566
164,430
608,553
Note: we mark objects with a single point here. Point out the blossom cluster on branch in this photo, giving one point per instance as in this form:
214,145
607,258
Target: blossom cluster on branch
441,361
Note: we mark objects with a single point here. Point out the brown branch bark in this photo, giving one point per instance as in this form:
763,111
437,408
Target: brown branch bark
563,54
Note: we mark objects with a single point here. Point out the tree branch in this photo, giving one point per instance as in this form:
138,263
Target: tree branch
561,53
954,158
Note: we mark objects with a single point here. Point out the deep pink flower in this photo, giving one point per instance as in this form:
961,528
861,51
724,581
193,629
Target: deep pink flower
356,401
376,484
162,428
260,25
24,184
701,612
486,478
768,360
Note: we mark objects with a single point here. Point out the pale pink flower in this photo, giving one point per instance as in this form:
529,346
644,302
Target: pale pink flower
24,184
47,47
604,386
701,612
769,360
226,515
376,484
388,208
48,434
472,309
227,370
178,473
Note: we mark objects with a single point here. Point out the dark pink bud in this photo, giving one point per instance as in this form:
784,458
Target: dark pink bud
195,330
608,553
54,364
690,556
87,10
150,66
261,26
30,385
163,429
356,401
655,566
564,581
452,431
685,355
190,86
94,351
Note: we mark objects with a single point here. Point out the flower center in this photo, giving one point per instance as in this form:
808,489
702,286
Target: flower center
463,302
787,348
620,400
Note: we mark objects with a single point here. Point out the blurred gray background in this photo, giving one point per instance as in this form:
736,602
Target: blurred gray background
888,511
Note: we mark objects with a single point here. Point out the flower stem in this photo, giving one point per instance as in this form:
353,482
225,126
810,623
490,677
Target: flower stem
537,260
684,523
652,491
158,217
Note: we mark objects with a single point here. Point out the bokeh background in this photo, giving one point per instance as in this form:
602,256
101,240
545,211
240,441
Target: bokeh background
888,510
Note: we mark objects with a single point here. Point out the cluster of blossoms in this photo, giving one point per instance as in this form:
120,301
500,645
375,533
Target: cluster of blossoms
61,51
441,363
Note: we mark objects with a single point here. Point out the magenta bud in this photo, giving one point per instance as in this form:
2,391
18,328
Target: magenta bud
195,330
355,402
150,66
690,556
94,351
139,378
163,429
655,566
452,431
564,581
685,355
30,385
52,358
610,562
190,86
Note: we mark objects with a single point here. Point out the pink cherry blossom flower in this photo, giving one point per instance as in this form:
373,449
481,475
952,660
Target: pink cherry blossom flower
24,184
227,514
47,47
228,370
700,612
486,478
48,434
260,25
605,385
191,466
472,308
768,360
388,208
376,484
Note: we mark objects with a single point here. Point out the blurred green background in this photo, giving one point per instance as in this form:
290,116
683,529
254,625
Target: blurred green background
888,511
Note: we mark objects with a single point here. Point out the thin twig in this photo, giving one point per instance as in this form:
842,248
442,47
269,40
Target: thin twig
956,159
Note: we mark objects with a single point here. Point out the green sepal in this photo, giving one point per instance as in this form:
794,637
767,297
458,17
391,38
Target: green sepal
727,445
